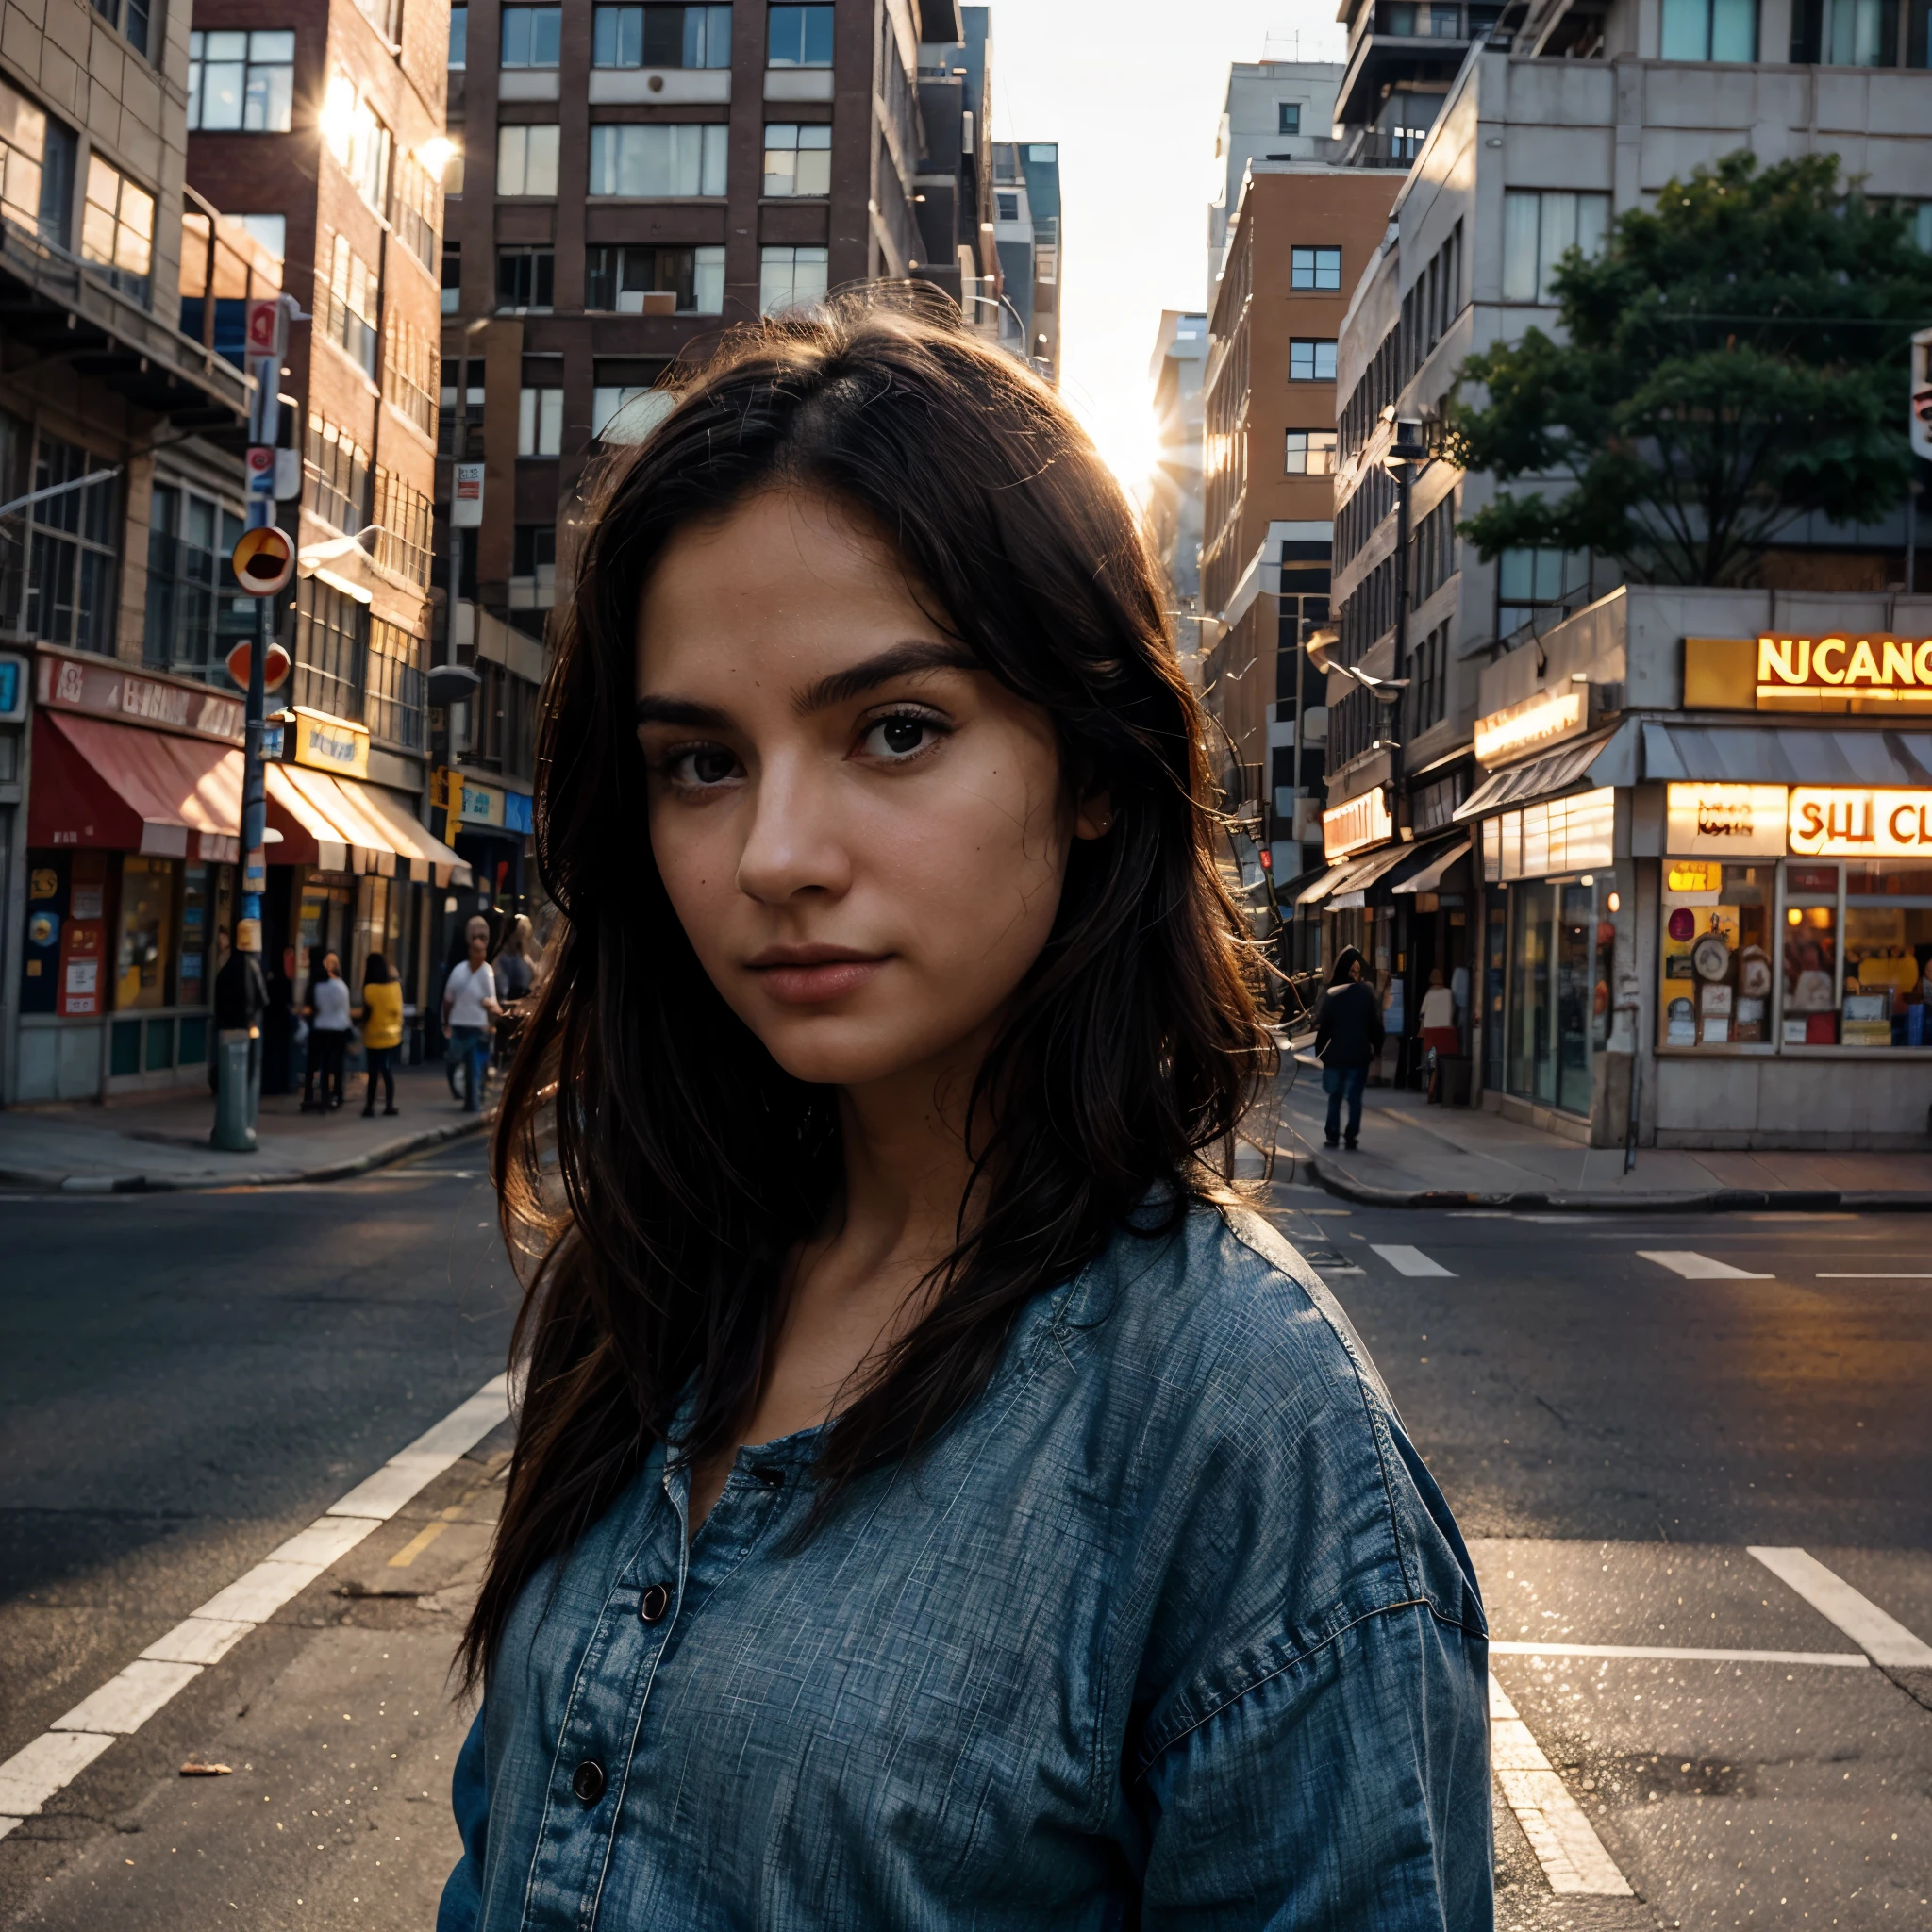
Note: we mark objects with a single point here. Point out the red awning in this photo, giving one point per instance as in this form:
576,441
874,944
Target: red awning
118,787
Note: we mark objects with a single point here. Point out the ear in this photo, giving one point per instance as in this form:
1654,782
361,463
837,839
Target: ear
1095,818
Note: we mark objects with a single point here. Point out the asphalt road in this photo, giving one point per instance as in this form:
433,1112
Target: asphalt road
191,1379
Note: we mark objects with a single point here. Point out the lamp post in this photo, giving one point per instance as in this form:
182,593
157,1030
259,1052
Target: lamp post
1408,455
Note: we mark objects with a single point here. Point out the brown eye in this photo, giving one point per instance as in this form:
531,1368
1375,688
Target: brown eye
712,766
900,736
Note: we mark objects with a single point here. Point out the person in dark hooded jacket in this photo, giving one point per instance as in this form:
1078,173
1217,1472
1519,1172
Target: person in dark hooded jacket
1348,1036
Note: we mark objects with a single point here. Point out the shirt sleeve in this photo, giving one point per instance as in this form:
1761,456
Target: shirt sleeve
462,1894
1349,1788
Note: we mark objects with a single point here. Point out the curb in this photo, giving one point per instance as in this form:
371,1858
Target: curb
38,1181
1710,1201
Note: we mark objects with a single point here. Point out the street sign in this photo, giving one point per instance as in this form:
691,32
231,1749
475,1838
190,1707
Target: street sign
466,508
261,472
265,326
1921,395
264,406
275,673
264,560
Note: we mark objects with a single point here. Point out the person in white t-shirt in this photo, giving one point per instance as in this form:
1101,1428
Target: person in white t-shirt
328,1037
469,1007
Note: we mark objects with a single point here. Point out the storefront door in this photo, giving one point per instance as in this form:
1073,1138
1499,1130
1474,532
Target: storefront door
1531,1063
1576,979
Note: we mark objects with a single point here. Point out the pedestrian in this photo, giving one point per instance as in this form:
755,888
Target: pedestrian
329,1039
382,1030
935,1501
469,1006
513,965
240,1002
1348,1036
1437,1029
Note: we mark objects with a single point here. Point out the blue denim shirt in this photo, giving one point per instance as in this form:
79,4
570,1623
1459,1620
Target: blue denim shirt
1170,1627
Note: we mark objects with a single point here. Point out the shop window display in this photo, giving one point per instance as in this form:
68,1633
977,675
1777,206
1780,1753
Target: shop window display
147,919
1810,956
1887,955
1716,952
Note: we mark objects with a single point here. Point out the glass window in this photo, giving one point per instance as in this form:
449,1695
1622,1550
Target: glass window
347,306
452,276
359,140
525,277
1531,1065
394,700
1007,205
195,611
526,160
1715,953
458,36
799,37
789,277
620,278
1710,30
531,36
1858,33
22,148
117,229
240,82
1311,361
331,649
1538,229
418,210
539,422
144,950
798,159
72,559
1311,452
1888,949
1539,586
1314,268
1810,956
336,477
1288,117
659,159
660,37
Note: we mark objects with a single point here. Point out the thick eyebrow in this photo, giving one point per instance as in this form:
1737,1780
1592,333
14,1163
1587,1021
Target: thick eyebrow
899,660
840,688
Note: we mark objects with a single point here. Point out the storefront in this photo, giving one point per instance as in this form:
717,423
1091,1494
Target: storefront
490,823
134,805
1732,895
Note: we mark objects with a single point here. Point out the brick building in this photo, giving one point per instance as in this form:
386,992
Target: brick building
322,128
1300,238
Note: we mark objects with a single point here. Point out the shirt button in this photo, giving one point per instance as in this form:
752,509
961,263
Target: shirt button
587,1781
654,1603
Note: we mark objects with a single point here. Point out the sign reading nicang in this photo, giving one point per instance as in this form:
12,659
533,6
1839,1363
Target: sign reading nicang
1886,675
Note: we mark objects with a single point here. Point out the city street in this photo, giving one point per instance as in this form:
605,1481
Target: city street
1621,1408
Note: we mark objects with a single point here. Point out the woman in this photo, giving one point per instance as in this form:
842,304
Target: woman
1348,1036
328,1037
1438,1027
935,1503
382,1031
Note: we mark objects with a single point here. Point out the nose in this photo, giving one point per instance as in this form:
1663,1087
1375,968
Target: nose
793,844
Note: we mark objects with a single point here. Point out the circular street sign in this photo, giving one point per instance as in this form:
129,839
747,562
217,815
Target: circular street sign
278,666
264,560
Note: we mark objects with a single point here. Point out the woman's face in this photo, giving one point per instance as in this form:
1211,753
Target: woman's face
863,836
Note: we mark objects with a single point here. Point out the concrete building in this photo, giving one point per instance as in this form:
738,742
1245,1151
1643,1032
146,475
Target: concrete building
635,179
121,440
955,179
1026,230
1178,372
324,135
1277,110
1302,235
1500,735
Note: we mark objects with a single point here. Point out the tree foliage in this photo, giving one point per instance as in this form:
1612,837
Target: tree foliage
1734,359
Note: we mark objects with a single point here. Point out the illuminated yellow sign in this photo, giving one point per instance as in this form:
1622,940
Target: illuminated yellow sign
331,744
1544,719
1745,820
1354,825
1694,875
1849,821
1848,672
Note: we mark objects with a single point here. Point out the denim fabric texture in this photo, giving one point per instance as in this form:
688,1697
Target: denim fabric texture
1170,1627
1344,1085
469,1048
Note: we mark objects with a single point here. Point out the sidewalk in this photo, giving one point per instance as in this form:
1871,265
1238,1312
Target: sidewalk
1413,1154
161,1144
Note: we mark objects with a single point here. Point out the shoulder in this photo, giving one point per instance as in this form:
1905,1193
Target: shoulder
1279,1499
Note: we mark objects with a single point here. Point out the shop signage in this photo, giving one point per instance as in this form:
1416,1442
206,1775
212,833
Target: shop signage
1849,672
1850,821
1744,820
1547,718
107,691
330,745
1357,825
12,689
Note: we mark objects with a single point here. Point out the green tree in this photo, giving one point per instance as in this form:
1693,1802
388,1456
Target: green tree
1734,359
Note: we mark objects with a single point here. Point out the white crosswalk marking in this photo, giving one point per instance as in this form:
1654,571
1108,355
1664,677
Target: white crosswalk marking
1411,1261
1565,1843
1883,1639
1695,1267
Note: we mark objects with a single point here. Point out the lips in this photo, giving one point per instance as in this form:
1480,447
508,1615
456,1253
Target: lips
814,976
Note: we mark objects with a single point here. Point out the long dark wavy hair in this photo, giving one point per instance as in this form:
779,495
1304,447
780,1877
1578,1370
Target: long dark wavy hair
656,1164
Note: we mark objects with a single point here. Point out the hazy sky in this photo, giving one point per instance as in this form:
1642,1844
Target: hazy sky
1132,91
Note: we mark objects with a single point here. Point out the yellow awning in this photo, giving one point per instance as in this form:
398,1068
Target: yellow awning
429,858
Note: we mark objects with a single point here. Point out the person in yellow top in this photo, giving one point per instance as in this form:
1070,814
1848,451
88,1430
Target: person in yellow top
382,1030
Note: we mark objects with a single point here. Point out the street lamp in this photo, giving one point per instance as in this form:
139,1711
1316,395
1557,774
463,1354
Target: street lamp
1406,456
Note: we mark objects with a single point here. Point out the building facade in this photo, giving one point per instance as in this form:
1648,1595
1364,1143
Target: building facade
1535,144
121,479
1178,371
1026,232
323,133
1301,236
1276,110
